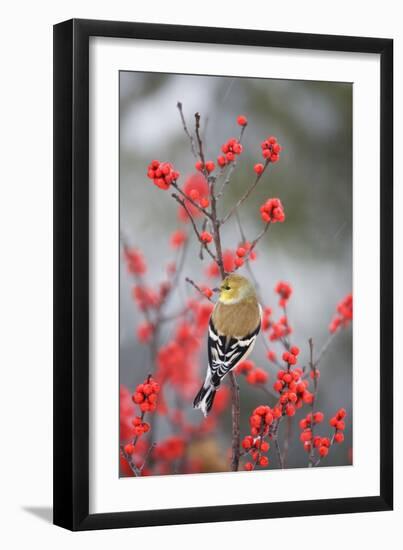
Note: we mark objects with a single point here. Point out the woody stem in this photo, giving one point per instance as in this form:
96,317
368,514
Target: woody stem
235,400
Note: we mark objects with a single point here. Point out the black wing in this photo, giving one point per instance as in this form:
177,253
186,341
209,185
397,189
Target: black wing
225,353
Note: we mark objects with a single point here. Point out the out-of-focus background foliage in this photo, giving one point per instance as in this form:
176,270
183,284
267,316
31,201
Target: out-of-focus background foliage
312,250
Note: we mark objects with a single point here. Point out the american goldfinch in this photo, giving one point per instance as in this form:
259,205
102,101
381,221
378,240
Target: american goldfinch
233,329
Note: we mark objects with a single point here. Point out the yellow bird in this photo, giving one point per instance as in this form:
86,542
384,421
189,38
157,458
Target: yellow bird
233,329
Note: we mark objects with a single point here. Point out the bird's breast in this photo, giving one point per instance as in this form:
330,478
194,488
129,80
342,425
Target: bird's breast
237,320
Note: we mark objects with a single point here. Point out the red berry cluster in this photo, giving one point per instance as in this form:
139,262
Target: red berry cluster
290,357
339,425
208,166
271,149
272,211
145,298
260,421
255,447
162,174
306,427
284,290
253,375
135,261
140,427
289,384
231,149
145,331
344,314
178,238
279,330
145,395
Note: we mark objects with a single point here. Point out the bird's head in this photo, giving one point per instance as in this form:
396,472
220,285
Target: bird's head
235,288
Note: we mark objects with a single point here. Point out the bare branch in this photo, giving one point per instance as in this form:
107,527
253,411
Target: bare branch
199,140
245,195
185,128
182,203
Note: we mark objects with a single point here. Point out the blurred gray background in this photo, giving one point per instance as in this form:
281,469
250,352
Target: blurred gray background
312,250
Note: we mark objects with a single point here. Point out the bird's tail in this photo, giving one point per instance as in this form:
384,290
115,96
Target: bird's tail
205,398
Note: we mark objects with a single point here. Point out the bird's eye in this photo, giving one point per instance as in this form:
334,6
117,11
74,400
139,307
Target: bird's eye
227,287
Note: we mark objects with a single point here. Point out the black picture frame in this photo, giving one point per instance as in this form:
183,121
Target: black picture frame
71,274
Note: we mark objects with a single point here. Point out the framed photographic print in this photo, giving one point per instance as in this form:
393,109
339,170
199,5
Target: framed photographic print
222,203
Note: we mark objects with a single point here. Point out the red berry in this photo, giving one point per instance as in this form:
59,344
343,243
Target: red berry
264,446
242,120
290,410
152,398
208,292
264,461
341,413
295,350
259,168
306,436
210,166
194,194
292,360
340,425
204,202
240,252
199,165
238,262
248,466
129,449
323,451
138,398
307,397
318,417
221,161
287,378
339,437
206,237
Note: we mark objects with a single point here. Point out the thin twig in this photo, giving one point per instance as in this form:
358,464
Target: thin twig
183,204
278,452
189,199
324,349
148,453
245,195
199,140
189,135
236,414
